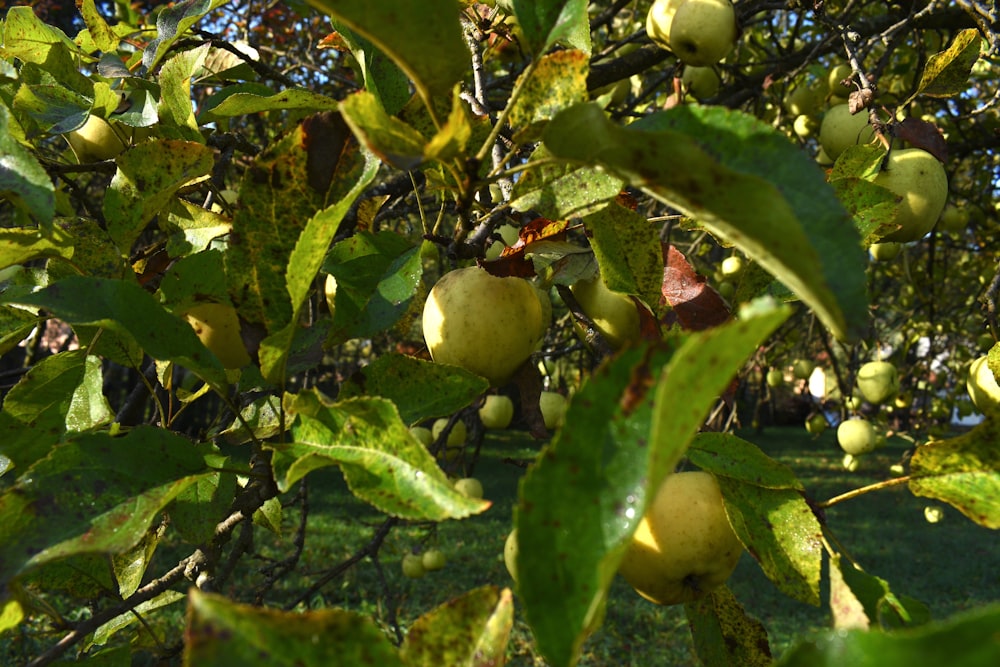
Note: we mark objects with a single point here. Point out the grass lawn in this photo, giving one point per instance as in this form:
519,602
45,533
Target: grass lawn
950,566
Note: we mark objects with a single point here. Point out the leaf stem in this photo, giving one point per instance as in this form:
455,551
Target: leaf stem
877,486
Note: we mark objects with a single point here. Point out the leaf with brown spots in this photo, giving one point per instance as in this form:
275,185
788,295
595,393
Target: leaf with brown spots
724,634
694,304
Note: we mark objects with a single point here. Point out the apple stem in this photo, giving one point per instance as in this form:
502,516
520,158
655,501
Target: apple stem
863,490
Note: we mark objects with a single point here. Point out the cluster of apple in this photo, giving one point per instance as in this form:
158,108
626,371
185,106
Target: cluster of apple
699,32
683,547
417,565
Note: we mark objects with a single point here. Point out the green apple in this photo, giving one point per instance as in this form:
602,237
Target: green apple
613,313
510,554
485,324
805,126
856,436
851,462
953,219
701,82
470,487
816,424
658,20
805,98
982,386
841,129
423,434
919,178
933,513
883,252
684,546
553,407
775,378
497,411
726,289
413,566
432,560
703,32
834,78
218,327
732,266
330,292
97,140
456,437
803,368
878,381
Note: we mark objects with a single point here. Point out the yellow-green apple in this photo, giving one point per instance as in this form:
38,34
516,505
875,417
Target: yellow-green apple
982,386
933,513
732,266
803,368
423,434
497,411
834,80
658,20
701,82
878,381
485,324
775,378
510,554
456,437
218,327
330,292
470,487
97,140
553,407
919,178
805,98
684,545
703,32
856,436
613,313
851,462
841,129
433,559
953,219
805,126
816,424
883,252
413,566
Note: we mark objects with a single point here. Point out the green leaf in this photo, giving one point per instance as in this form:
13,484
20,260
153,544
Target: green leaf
848,611
561,191
130,566
557,82
15,325
628,251
781,532
947,73
28,38
625,430
423,38
879,605
469,631
545,22
390,138
244,104
404,381
171,23
382,77
261,417
383,463
741,180
728,455
141,611
221,633
22,178
19,245
34,412
377,279
969,640
175,92
963,472
88,408
148,177
94,494
201,506
102,34
194,279
724,634
127,308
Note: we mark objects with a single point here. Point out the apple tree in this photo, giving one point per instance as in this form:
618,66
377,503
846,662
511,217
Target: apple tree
221,220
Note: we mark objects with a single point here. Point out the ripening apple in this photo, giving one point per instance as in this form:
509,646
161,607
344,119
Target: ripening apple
218,328
856,436
841,129
97,140
433,559
456,437
933,513
953,219
684,546
878,381
485,324
510,554
982,386
423,434
330,292
919,178
469,487
497,411
816,424
701,82
613,313
805,98
803,368
836,75
553,407
413,566
703,32
851,462
732,266
775,378
658,20
805,126
883,252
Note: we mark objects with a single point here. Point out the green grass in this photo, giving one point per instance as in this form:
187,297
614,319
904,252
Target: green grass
950,566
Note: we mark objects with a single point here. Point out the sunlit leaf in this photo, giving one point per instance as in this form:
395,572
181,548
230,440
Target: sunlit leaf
22,178
559,81
546,22
742,180
947,73
221,633
724,634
